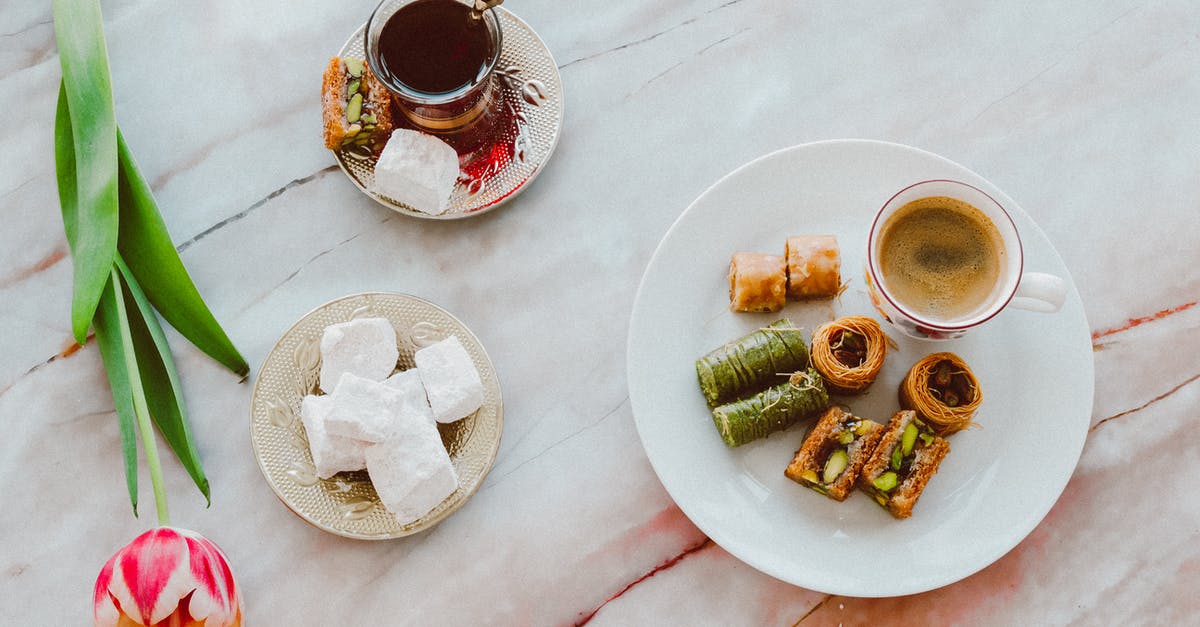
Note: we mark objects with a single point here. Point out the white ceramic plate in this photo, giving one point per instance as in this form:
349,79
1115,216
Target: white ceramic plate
996,484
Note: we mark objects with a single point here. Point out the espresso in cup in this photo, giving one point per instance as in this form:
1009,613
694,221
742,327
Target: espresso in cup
941,258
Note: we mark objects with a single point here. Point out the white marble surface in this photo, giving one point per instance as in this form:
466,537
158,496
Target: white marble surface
1082,111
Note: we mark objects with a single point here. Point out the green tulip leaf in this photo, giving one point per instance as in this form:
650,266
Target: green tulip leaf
108,337
88,186
160,382
146,247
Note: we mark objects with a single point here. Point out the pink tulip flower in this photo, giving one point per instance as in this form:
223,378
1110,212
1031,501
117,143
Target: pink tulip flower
167,577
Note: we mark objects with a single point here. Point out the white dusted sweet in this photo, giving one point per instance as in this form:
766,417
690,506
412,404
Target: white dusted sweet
363,409
411,470
417,170
365,347
451,381
408,383
331,453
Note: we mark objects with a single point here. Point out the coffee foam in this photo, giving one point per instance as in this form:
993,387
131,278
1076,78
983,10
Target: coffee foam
940,258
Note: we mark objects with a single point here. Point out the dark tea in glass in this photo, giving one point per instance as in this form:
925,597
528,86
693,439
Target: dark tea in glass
437,58
435,46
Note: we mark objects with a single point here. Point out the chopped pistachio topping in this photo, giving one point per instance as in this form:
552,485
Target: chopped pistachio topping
354,109
835,465
909,439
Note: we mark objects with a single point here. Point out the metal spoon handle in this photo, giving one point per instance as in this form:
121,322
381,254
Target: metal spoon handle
483,5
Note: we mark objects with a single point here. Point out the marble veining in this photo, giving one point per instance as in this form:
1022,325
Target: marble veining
1083,112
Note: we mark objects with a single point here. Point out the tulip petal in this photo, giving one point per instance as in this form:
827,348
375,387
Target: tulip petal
149,570
104,610
167,574
216,598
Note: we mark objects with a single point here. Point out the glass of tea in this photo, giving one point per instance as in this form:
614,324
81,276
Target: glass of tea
437,58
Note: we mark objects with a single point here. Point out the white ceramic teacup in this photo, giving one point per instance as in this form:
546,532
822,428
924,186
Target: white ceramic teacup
1034,291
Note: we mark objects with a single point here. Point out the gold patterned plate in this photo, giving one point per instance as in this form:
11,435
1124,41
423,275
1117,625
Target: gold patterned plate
346,504
530,121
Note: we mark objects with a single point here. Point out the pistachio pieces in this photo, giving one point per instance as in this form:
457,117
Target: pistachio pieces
352,133
354,109
353,87
953,387
810,477
368,119
835,465
862,428
909,439
941,374
354,67
886,482
850,349
897,458
846,437
950,398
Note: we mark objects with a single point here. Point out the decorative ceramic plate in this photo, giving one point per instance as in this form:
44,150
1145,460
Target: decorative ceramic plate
993,488
346,504
527,129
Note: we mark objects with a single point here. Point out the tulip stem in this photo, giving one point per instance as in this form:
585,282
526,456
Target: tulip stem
140,408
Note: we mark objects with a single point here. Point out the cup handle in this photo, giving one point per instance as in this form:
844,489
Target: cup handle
1040,292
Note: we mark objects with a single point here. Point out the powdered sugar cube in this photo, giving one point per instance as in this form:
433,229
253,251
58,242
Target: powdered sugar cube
363,409
411,470
418,170
365,347
331,454
451,381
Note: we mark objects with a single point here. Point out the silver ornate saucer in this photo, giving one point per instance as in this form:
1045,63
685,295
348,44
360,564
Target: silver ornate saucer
346,504
532,114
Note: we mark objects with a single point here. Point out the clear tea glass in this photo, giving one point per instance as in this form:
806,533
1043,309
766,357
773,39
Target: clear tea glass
461,114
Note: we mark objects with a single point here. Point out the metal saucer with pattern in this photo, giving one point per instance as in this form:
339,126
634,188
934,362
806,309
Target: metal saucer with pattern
346,504
533,114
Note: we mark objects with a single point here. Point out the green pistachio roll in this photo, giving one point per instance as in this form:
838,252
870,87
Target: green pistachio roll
751,362
771,410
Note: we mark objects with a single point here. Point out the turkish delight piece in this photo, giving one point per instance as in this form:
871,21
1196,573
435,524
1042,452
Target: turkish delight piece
363,409
411,470
451,381
408,383
365,347
417,170
331,453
